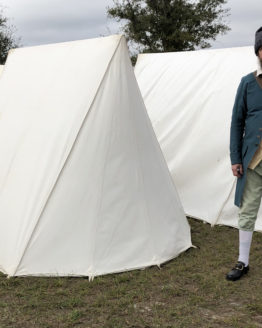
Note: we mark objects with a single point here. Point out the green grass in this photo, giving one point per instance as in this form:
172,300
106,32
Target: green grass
189,291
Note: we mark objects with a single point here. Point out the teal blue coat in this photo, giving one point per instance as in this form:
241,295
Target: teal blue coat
246,127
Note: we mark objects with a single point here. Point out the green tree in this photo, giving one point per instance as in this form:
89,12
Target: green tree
7,39
170,25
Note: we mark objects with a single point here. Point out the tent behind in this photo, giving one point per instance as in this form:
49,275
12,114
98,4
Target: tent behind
84,189
189,98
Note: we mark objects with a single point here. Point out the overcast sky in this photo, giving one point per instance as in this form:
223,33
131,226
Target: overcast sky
47,21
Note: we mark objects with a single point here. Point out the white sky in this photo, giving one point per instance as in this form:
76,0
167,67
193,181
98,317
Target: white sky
47,21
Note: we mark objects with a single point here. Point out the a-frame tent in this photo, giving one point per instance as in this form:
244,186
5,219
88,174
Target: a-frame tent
84,188
189,98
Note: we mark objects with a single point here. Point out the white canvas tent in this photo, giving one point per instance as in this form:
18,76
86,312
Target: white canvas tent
189,98
84,187
1,68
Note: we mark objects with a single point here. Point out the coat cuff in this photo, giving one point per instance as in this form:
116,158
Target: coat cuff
235,158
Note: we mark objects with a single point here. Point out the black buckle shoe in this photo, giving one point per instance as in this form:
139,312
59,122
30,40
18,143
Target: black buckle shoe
237,272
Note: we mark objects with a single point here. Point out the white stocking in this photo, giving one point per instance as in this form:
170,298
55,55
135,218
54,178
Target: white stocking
245,238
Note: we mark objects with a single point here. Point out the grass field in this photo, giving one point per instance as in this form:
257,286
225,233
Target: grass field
189,291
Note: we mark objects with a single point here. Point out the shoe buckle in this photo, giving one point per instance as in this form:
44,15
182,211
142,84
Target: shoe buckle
240,268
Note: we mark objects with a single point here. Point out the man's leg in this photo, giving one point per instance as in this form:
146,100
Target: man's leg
251,199
247,217
245,239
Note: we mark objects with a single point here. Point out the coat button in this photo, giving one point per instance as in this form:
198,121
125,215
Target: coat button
256,145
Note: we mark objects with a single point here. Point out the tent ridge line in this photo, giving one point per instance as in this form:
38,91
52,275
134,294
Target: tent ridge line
66,159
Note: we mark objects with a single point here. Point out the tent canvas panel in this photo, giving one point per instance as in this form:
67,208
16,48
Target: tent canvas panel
189,98
40,124
115,176
112,205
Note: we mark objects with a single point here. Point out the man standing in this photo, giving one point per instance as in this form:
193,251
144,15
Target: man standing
246,157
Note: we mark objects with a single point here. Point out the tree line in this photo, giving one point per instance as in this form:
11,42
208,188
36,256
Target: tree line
170,25
7,38
154,25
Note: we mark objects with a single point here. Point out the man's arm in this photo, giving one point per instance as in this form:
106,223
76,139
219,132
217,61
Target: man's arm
237,129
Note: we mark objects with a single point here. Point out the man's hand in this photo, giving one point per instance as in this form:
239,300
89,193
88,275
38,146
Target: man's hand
237,170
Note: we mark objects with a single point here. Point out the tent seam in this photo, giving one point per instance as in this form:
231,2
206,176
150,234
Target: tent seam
104,169
146,209
224,203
